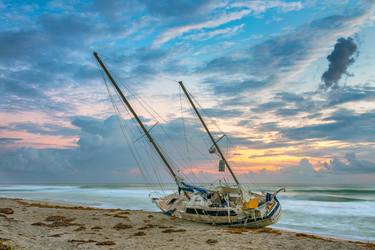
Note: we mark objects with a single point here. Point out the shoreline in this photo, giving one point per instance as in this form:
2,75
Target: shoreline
31,224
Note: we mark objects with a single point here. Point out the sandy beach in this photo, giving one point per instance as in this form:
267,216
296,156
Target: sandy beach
40,225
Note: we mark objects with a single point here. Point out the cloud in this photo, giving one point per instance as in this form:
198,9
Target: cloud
261,6
340,59
342,125
177,31
101,149
104,149
217,32
181,9
349,94
9,140
344,171
231,12
45,129
216,112
280,59
350,165
286,104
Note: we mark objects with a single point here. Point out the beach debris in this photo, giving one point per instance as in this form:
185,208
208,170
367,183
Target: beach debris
121,216
57,221
106,243
81,228
96,228
55,235
311,236
120,226
237,230
140,233
164,227
148,226
4,246
240,230
79,242
60,221
41,224
6,210
211,241
173,230
150,216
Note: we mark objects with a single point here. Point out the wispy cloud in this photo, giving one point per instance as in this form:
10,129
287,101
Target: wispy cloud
177,31
283,58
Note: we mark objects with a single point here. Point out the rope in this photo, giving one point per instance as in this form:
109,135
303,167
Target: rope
123,131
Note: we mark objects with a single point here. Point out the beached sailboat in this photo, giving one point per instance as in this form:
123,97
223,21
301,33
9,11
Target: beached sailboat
222,204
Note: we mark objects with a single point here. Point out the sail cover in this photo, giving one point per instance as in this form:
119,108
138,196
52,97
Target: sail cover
190,188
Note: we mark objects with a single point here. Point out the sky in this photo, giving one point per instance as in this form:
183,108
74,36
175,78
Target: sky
290,83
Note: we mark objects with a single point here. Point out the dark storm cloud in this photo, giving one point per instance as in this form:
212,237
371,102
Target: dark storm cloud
342,56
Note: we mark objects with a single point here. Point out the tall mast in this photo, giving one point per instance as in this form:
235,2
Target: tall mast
208,132
145,131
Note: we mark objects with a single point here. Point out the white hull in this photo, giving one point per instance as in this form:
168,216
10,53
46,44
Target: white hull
178,206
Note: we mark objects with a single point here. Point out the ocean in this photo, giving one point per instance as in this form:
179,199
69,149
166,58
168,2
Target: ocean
337,211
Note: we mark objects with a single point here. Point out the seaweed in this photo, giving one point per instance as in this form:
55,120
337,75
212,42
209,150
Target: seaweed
121,226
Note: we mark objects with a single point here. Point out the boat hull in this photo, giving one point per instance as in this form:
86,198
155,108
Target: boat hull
215,216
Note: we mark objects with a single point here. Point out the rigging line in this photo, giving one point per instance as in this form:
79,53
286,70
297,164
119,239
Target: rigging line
143,163
148,108
204,140
133,151
158,179
185,138
153,113
131,148
204,113
121,125
166,78
144,104
212,121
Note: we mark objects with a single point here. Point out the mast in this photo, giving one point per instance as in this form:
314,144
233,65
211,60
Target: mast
208,131
145,131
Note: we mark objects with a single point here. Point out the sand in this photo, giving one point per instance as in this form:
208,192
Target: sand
40,225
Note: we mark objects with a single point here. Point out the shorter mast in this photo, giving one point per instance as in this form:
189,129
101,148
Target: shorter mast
208,132
145,131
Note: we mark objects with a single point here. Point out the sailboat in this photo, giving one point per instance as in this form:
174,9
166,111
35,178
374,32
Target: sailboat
222,204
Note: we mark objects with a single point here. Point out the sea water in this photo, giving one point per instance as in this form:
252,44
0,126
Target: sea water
338,211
